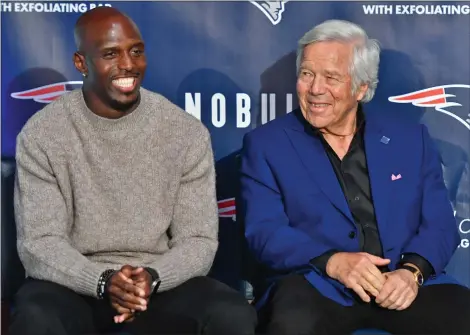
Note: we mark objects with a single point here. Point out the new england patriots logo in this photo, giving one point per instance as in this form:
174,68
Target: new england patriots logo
437,97
271,9
48,93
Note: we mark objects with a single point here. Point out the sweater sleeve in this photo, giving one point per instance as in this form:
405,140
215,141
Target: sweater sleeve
194,227
43,223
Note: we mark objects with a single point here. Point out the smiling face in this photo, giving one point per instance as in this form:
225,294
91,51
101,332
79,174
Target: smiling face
324,84
112,56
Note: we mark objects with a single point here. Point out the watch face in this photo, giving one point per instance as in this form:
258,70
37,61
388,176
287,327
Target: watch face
153,285
420,279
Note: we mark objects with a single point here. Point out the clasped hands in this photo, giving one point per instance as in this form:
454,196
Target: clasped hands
394,290
129,291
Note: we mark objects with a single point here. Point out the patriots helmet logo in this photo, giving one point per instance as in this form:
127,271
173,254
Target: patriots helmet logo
438,97
271,9
48,93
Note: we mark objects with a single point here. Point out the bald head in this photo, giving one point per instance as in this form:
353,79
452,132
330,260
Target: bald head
95,21
111,57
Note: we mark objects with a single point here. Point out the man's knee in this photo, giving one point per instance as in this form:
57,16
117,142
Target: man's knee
294,307
294,322
455,322
446,308
33,318
43,318
34,312
460,315
235,316
47,308
228,311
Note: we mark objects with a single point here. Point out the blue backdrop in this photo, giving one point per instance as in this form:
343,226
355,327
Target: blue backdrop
232,64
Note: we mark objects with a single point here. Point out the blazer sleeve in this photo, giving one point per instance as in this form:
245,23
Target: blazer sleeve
270,238
437,237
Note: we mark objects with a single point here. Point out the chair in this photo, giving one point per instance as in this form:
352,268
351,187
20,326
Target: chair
13,273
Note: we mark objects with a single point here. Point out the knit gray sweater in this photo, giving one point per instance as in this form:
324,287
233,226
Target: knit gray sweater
93,193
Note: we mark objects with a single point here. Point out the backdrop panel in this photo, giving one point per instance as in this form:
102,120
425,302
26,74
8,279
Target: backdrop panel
232,64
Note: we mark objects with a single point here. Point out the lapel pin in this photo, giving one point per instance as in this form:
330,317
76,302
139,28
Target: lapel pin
384,140
396,177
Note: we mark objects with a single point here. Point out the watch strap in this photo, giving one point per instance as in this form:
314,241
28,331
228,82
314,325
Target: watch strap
416,272
155,279
153,273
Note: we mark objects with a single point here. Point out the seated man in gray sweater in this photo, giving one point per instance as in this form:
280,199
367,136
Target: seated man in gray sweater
115,204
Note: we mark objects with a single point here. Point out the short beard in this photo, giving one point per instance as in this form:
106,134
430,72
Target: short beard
124,107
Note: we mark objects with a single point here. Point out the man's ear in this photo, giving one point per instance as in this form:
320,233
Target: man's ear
361,92
80,63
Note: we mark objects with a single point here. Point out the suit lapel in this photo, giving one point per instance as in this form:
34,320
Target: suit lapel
313,156
378,156
379,162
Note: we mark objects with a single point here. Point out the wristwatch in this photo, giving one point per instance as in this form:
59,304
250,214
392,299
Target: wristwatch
419,279
155,280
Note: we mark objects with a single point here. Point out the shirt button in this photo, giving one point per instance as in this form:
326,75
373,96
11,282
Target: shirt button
356,198
352,234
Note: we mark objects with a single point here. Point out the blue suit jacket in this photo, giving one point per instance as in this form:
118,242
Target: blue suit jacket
294,209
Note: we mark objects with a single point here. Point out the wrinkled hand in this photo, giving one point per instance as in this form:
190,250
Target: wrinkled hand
399,291
142,280
358,271
125,296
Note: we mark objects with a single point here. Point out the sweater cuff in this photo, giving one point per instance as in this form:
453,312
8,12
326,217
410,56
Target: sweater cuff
87,281
167,271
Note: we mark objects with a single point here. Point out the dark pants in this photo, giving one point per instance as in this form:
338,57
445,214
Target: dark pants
199,306
297,308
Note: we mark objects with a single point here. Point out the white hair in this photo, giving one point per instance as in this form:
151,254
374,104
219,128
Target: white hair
364,66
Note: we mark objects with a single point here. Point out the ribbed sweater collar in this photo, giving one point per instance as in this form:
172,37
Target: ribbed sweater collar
126,122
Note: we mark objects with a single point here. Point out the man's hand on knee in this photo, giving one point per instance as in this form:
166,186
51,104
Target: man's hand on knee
123,292
399,291
141,279
358,271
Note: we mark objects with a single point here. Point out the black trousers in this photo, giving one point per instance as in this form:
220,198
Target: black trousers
295,307
199,306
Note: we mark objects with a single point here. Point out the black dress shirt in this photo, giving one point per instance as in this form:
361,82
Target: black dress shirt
353,176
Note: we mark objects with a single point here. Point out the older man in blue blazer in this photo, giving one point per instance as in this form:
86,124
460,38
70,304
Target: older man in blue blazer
348,214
